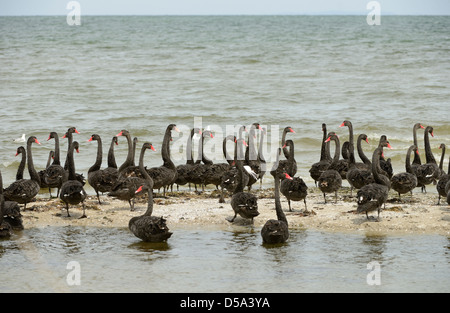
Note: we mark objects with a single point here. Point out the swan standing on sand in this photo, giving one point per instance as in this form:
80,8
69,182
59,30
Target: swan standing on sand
293,188
72,191
429,172
372,196
147,227
101,180
23,191
406,181
5,228
55,175
325,160
243,203
276,231
331,180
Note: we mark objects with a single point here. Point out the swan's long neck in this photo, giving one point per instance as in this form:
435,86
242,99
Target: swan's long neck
31,170
260,148
291,159
408,160
71,162
165,150
98,160
56,160
416,159
280,214
428,153
361,154
240,168
21,167
376,169
337,150
224,148
189,153
129,158
441,163
323,149
149,181
69,144
205,159
111,158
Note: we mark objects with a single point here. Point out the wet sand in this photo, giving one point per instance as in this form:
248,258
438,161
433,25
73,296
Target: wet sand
421,215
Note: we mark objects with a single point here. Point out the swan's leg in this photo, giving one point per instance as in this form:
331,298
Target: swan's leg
98,197
67,209
306,209
50,192
232,220
335,197
222,199
289,202
84,211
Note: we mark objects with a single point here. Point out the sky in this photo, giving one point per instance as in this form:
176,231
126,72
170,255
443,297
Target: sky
223,7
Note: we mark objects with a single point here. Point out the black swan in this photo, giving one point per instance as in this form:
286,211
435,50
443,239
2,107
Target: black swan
183,169
196,174
72,191
69,136
417,161
385,165
99,179
343,164
331,180
147,227
251,157
371,197
357,176
283,163
319,167
440,187
243,203
406,181
165,174
23,191
51,156
367,163
55,175
112,171
214,172
293,188
5,228
429,172
229,179
10,212
276,231
128,167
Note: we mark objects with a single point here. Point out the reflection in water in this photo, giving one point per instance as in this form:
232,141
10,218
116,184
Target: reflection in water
233,260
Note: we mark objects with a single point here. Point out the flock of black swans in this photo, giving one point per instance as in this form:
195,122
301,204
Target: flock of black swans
372,178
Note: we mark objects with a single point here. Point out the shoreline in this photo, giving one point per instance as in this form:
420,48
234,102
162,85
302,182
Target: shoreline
183,209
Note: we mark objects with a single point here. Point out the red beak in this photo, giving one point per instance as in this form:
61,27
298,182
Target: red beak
287,176
48,138
389,146
77,131
64,136
153,148
90,139
78,151
367,140
342,125
329,138
119,134
36,141
138,190
432,135
291,130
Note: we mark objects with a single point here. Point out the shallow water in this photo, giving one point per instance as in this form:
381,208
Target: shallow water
221,260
